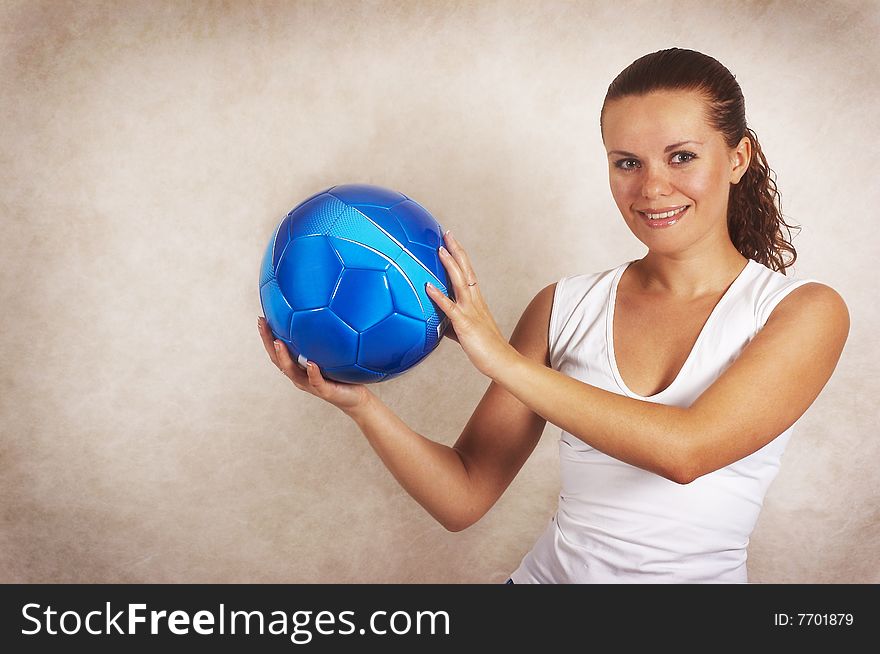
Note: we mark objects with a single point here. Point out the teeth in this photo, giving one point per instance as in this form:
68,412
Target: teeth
668,214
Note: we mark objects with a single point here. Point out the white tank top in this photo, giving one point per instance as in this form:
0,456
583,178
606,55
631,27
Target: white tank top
619,523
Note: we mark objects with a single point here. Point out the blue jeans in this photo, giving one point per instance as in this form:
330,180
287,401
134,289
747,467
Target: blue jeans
509,581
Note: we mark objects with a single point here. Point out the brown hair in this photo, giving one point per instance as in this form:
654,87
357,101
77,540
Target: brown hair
753,219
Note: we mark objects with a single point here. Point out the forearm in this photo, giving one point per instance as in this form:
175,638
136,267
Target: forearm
432,473
644,434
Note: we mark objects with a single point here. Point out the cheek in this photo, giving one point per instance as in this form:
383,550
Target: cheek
623,188
708,184
699,186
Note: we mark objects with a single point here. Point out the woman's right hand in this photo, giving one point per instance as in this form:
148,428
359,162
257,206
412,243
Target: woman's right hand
346,397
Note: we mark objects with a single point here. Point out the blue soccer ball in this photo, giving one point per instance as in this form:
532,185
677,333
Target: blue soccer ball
342,283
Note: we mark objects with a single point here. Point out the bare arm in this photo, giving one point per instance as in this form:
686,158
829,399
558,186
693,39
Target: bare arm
773,382
457,485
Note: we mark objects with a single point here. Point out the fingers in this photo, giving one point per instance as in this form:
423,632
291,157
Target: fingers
289,367
310,378
266,336
316,379
453,271
445,303
460,272
462,261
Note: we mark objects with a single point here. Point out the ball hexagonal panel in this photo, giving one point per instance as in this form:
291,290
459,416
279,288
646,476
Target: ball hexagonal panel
308,272
392,343
319,334
419,225
354,374
355,255
362,299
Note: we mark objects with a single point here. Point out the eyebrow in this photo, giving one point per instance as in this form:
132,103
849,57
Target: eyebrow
666,149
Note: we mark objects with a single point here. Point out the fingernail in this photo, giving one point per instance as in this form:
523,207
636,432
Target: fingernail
443,250
277,345
446,233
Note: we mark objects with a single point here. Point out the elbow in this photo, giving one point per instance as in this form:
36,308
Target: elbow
461,517
456,523
683,467
685,460
682,475
455,527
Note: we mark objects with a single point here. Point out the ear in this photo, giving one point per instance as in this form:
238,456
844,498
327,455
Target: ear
739,159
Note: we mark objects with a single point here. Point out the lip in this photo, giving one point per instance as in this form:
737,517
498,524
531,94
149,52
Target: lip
662,210
665,222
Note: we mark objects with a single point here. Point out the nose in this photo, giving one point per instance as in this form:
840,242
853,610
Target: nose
655,182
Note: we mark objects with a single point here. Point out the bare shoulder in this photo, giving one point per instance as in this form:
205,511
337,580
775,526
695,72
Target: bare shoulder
814,306
530,337
803,338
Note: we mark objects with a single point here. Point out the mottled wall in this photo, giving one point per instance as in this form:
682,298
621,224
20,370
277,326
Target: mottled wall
147,150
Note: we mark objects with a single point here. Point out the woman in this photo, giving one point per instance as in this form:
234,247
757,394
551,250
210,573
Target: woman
675,378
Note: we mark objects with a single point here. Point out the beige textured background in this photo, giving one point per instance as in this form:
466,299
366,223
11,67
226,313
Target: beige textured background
148,149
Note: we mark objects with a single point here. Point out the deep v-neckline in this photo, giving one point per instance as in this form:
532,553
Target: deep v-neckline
609,332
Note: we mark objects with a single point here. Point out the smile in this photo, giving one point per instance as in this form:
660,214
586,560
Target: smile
667,214
665,219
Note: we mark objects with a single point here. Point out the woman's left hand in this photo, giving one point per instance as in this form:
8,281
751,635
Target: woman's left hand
475,328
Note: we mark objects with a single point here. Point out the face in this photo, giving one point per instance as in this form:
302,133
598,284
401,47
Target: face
652,169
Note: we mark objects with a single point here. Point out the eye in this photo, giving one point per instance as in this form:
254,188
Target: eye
686,154
633,164
620,164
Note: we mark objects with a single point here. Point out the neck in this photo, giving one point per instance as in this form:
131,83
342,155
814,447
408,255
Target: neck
688,276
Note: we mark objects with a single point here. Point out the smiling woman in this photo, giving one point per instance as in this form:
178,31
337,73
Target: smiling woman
675,379
683,93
